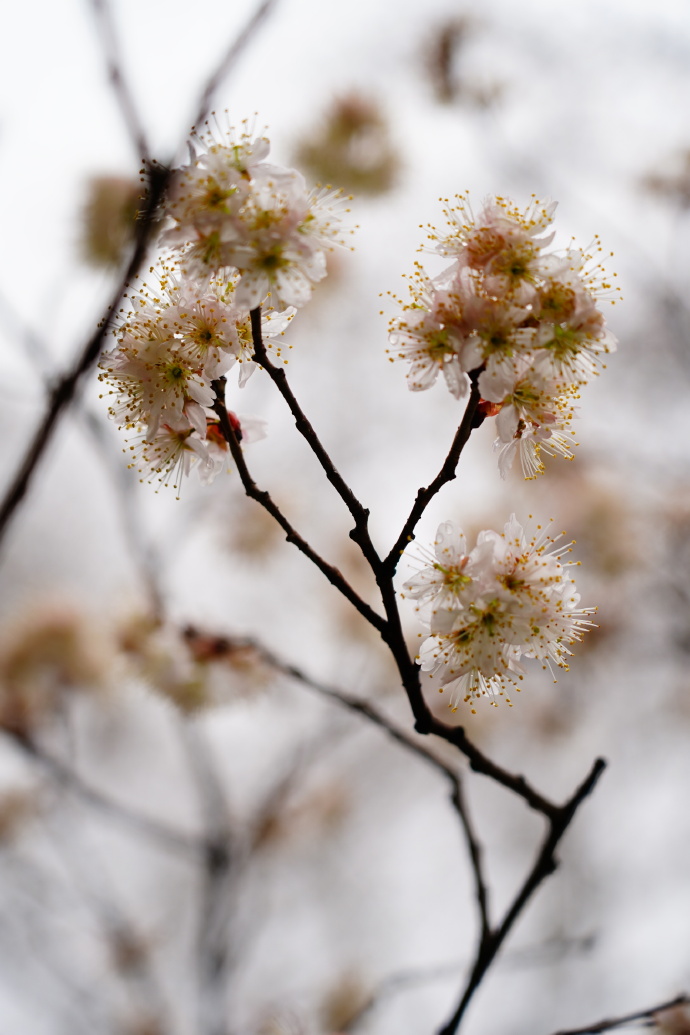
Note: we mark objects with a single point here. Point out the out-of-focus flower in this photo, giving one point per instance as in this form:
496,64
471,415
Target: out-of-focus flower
508,599
109,219
673,183
17,807
674,1021
351,146
444,58
45,658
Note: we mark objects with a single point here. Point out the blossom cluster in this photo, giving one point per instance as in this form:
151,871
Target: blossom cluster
521,320
241,234
507,599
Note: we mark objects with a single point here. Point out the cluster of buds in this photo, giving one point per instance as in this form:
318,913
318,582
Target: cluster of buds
522,321
241,234
509,598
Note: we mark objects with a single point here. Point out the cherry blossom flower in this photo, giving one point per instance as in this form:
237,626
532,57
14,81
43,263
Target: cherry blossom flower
234,212
431,336
534,413
526,323
511,598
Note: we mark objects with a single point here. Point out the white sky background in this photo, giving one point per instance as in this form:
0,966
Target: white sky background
597,94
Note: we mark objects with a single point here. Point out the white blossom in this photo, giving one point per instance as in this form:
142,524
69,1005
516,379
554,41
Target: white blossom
511,598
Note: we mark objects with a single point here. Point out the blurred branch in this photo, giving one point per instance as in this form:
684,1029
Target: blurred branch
64,390
213,957
229,59
167,837
106,30
558,817
33,951
399,982
648,1015
142,550
128,949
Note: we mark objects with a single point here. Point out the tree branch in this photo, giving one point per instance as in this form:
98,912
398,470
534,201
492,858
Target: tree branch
261,496
470,420
64,390
168,838
118,81
360,533
367,711
544,866
649,1014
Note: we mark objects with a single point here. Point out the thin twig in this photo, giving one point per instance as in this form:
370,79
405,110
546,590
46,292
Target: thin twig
217,882
229,59
447,473
118,80
64,390
543,867
367,711
261,496
157,832
360,533
628,1018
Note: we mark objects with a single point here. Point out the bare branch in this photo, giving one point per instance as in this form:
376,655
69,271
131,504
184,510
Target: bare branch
213,955
629,1018
360,533
118,81
157,832
64,390
229,59
471,419
333,575
544,866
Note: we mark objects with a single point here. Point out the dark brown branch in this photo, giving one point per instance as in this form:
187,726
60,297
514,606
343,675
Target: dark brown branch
558,817
118,81
125,487
481,763
426,722
364,709
64,390
261,496
360,533
445,475
629,1018
543,867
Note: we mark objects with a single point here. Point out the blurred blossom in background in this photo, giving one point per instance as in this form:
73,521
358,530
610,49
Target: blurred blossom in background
339,898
